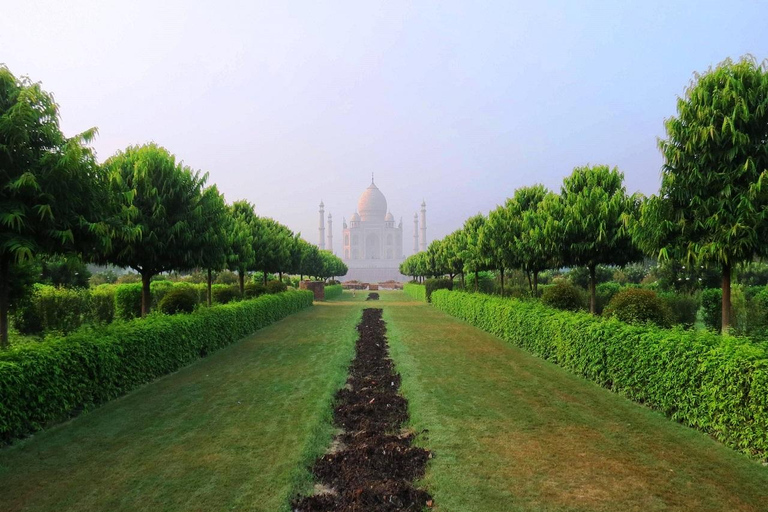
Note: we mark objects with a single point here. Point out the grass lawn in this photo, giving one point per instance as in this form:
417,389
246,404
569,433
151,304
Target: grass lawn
513,432
234,431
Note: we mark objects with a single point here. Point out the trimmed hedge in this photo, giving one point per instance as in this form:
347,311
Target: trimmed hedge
430,285
638,306
417,291
716,384
41,384
333,291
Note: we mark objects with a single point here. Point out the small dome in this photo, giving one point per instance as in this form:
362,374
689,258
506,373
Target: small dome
355,218
389,217
372,205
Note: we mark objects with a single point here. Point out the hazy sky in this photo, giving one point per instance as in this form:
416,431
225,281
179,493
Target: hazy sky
458,103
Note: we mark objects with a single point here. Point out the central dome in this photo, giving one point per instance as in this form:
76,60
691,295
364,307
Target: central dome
372,205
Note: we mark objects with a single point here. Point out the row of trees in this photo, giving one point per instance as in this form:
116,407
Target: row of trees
712,209
141,209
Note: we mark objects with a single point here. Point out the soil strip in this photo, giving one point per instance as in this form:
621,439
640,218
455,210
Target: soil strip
372,296
373,463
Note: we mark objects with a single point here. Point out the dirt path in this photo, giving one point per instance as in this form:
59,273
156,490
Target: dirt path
373,464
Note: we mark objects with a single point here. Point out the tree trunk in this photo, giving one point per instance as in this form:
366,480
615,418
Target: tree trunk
726,306
535,283
476,279
146,295
592,294
463,284
502,282
210,279
265,278
241,278
530,283
280,274
5,285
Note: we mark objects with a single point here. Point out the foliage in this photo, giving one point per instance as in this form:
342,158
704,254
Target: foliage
225,293
605,292
638,306
107,276
254,290
716,384
180,299
69,271
674,275
226,277
416,291
158,289
579,276
563,295
103,303
753,274
45,383
333,291
430,285
128,301
51,309
53,194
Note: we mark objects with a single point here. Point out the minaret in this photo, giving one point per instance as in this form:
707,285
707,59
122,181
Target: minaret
415,233
330,232
423,241
322,226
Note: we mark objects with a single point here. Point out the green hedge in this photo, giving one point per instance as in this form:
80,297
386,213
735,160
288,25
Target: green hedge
333,291
716,384
41,384
417,291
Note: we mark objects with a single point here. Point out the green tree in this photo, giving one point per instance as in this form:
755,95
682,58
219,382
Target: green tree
52,192
241,234
495,246
160,202
472,254
592,221
212,222
712,207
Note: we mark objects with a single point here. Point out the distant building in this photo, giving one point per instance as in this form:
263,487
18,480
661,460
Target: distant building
372,243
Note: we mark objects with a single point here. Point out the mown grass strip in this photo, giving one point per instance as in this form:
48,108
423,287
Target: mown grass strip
234,431
514,432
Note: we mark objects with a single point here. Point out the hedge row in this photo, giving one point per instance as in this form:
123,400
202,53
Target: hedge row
45,383
716,384
333,291
417,291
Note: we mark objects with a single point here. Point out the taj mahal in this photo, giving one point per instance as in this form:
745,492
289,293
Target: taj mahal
373,243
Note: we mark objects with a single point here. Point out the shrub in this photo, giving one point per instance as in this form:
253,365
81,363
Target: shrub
416,291
276,287
579,276
224,293
683,308
711,304
50,308
158,289
180,299
129,278
128,301
436,284
48,382
103,304
718,384
251,290
227,277
604,293
333,291
638,306
564,295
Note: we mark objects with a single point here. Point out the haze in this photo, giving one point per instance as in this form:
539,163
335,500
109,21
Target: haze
458,103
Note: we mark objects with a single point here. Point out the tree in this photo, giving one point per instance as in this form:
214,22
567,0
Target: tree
241,239
212,222
712,207
52,192
592,219
160,202
494,243
472,255
273,246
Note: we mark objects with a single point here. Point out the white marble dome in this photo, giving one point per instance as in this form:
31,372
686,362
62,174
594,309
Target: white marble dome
389,217
355,217
372,204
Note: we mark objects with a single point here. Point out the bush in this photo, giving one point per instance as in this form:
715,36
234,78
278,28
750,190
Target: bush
158,289
683,308
711,304
564,295
49,382
333,291
103,304
638,306
226,277
604,293
180,299
276,287
52,309
718,384
128,301
252,290
579,276
436,284
416,291
224,293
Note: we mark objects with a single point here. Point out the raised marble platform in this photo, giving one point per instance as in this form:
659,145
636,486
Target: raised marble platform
374,275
